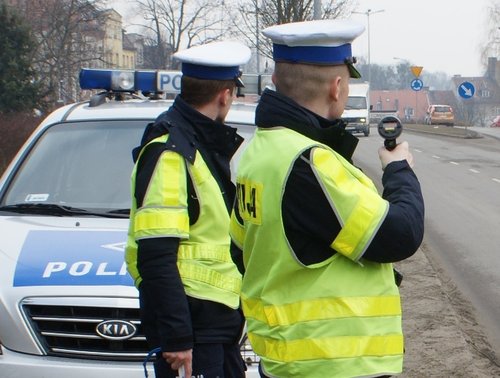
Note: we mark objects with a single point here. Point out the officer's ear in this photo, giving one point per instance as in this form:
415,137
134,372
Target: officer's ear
225,96
335,88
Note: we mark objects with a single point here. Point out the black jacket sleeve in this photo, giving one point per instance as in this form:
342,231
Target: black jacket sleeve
163,301
402,231
311,224
237,256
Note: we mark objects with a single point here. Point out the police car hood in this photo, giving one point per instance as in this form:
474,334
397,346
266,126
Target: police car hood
59,259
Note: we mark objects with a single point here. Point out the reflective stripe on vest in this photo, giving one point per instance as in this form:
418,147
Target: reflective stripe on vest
327,347
164,211
321,308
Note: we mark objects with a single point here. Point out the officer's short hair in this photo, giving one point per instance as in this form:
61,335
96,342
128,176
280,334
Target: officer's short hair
198,92
305,82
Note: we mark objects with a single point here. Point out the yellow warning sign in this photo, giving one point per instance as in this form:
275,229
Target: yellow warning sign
416,70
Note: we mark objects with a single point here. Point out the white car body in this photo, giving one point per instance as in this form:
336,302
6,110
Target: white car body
62,277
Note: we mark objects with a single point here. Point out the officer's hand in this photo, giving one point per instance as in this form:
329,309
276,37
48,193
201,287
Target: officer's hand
178,359
401,152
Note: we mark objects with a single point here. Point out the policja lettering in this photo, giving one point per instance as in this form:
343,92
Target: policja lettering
81,268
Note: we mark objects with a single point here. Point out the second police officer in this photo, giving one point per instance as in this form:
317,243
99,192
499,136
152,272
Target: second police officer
178,249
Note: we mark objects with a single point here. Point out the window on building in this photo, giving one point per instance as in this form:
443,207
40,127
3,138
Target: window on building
484,93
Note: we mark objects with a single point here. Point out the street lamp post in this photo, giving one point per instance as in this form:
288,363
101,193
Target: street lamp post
317,9
257,35
367,13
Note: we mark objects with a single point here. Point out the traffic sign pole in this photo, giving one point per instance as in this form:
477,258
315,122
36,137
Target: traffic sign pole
416,85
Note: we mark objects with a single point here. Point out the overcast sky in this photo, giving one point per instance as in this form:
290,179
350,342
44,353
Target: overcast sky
439,35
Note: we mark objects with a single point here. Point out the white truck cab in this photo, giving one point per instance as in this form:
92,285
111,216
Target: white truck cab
357,109
68,307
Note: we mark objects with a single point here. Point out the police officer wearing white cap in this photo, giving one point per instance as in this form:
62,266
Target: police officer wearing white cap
316,239
178,249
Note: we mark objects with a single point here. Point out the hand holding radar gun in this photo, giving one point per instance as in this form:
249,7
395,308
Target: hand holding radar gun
390,128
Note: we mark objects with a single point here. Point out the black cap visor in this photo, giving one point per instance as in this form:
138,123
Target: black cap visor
353,72
238,81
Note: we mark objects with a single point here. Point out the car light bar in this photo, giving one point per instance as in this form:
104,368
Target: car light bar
155,81
131,81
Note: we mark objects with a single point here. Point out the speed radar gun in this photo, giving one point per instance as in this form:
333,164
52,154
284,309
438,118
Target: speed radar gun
390,128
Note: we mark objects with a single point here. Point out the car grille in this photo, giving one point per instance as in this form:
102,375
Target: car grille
351,120
65,327
70,331
248,355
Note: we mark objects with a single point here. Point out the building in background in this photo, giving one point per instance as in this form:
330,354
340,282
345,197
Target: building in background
484,106
480,110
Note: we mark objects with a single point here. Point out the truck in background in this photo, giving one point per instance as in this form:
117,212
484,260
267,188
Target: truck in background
357,109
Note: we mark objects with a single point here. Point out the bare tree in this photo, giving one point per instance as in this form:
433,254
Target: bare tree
254,15
63,31
173,25
491,47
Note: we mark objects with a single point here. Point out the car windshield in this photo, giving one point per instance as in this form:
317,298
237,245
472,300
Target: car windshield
83,168
356,103
84,165
442,109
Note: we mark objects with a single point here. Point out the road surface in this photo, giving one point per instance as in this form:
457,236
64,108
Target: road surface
460,180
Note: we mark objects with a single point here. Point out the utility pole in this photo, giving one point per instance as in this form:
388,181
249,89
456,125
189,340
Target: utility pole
317,10
257,41
367,13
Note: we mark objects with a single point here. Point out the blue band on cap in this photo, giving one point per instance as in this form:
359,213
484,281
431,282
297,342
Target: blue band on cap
210,72
312,54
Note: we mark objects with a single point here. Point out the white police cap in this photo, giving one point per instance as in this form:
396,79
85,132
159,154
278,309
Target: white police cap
321,42
214,61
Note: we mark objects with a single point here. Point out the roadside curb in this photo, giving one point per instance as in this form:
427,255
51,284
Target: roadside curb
454,132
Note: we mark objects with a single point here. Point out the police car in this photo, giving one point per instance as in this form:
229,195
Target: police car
68,307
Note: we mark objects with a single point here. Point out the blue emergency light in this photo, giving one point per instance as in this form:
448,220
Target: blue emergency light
131,81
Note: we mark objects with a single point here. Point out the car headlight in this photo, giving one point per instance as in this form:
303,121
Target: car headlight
362,120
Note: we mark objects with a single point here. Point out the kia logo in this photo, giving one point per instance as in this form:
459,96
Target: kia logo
116,330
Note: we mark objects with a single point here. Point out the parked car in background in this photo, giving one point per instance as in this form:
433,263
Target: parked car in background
440,115
496,122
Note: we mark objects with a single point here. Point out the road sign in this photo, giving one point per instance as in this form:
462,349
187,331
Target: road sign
466,89
416,84
416,70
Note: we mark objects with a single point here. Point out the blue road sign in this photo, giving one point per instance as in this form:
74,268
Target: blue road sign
416,84
466,89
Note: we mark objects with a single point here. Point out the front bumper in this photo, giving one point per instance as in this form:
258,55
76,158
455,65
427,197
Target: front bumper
20,365
357,127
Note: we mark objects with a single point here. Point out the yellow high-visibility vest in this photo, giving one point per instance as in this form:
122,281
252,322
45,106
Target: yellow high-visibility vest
337,318
204,260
